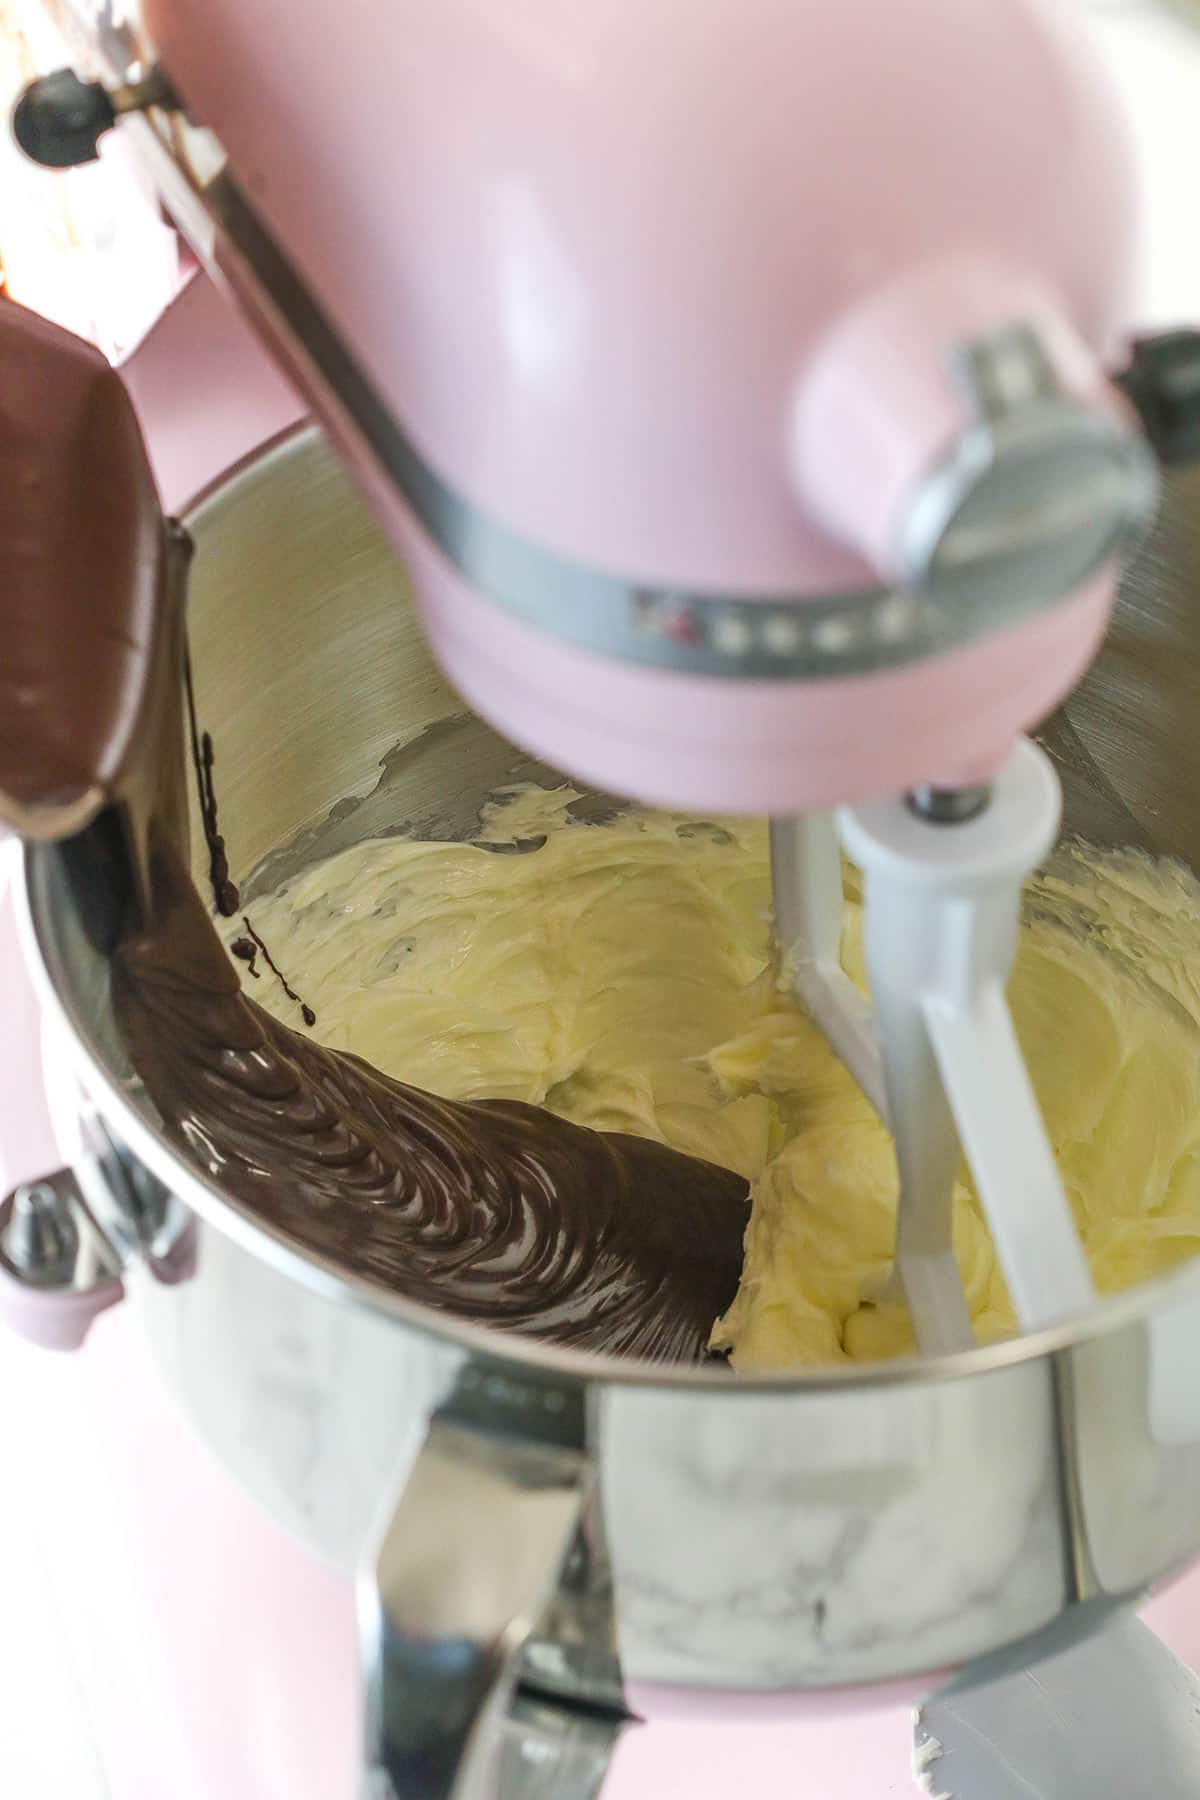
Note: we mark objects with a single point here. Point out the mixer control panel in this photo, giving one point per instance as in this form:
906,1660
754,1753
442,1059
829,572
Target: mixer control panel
763,637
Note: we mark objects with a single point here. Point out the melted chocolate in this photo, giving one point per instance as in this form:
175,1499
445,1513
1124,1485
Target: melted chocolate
257,946
498,1211
226,897
246,950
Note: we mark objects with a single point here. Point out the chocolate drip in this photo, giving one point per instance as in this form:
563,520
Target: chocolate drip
226,897
246,950
497,1211
256,944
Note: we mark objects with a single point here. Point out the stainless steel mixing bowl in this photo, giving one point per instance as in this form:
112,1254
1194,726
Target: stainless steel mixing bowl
836,1528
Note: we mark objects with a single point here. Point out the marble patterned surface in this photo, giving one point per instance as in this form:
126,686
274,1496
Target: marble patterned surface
835,1540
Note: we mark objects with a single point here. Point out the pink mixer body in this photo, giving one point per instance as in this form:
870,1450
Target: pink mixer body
643,372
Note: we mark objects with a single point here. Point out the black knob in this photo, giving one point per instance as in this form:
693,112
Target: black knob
1163,382
59,120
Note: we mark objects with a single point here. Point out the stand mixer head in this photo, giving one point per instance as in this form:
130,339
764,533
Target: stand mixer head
733,397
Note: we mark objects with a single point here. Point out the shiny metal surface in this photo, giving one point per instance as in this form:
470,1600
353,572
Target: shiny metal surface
843,1527
49,1241
39,1239
550,1752
467,1559
949,806
1127,744
1038,493
75,1232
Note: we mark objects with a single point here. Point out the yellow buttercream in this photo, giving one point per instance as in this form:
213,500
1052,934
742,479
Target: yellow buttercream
620,975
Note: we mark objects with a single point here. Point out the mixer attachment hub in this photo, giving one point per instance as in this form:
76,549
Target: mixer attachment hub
949,806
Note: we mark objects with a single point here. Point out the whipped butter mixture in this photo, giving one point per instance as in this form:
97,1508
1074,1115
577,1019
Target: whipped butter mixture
621,975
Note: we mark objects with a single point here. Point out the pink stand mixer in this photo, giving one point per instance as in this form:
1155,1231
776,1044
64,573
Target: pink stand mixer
738,395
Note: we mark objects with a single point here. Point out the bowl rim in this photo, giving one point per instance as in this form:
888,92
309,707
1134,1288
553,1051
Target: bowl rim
323,1276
